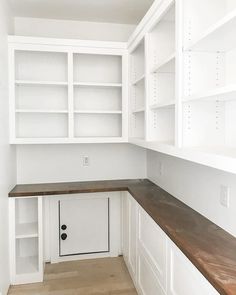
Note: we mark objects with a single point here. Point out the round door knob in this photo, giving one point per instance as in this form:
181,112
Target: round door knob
63,227
64,237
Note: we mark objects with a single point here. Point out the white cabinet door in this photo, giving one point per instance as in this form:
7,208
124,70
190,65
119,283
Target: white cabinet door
130,233
125,227
147,280
183,277
133,234
84,226
152,242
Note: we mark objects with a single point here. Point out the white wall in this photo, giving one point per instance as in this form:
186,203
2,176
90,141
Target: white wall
56,163
196,185
72,29
7,154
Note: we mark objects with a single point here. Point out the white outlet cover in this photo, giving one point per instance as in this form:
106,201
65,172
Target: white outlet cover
224,196
85,161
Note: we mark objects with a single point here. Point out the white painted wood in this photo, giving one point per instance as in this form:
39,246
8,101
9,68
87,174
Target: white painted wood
87,224
152,244
200,81
102,235
183,276
58,74
156,264
26,241
147,281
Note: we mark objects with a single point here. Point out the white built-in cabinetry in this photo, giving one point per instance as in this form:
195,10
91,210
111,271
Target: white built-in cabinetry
155,263
67,92
182,81
26,242
173,85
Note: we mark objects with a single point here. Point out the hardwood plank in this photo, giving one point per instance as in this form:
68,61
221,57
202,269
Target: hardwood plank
105,276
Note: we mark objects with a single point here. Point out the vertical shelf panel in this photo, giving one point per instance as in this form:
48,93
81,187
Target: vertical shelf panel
26,240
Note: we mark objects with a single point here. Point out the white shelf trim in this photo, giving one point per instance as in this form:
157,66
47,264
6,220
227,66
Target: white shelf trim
221,93
97,112
162,105
93,84
165,62
27,230
138,80
41,111
28,82
138,110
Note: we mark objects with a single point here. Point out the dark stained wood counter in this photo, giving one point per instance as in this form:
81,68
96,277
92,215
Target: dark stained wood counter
211,249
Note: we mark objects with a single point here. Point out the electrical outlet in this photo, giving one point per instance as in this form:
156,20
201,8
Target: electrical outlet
224,196
85,161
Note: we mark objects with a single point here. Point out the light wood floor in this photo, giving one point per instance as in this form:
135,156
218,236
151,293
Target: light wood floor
106,276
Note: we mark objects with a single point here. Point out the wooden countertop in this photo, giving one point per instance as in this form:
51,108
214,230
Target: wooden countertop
211,249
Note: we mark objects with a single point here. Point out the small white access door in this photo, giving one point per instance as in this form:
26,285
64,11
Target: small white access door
83,226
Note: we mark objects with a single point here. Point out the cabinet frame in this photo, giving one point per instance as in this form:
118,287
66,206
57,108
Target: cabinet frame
69,48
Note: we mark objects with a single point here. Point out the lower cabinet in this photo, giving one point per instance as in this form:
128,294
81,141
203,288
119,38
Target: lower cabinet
156,264
183,277
85,226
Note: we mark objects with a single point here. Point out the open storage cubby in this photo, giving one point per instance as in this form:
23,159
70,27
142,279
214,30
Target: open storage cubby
137,127
41,98
40,66
98,125
97,68
52,125
161,41
26,212
67,92
207,22
137,91
161,78
162,125
98,99
26,240
209,95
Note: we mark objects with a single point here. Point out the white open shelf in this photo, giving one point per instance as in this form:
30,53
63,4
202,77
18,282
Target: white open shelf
220,93
97,125
56,94
26,240
166,65
166,104
138,110
218,37
41,111
27,265
26,230
51,83
97,112
93,84
97,69
138,80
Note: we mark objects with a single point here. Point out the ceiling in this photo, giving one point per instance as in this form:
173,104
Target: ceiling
114,11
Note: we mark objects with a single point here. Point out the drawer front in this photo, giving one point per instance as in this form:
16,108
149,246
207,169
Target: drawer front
148,282
152,242
184,277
